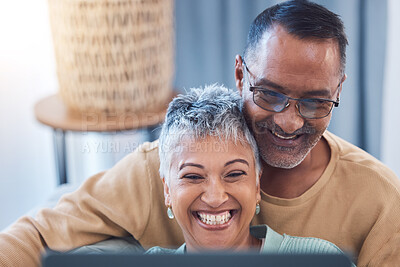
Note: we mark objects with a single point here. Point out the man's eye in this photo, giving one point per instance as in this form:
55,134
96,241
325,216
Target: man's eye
316,103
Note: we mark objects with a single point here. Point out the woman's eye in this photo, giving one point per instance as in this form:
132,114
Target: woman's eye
236,174
192,176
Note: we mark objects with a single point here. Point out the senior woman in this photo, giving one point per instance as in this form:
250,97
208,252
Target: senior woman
210,169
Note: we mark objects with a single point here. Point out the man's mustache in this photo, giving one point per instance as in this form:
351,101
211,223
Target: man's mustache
263,126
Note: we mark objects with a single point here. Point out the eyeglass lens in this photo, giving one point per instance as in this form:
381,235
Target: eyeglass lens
274,101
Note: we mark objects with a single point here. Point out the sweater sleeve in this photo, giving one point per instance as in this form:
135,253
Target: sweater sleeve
382,244
388,254
114,203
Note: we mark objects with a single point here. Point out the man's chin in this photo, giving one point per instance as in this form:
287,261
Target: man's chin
284,157
283,163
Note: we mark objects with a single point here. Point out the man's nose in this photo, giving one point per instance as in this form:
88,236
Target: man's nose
289,119
214,193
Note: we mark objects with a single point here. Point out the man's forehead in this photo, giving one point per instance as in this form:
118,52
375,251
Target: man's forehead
280,50
278,39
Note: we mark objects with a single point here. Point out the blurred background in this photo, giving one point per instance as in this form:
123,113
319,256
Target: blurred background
208,35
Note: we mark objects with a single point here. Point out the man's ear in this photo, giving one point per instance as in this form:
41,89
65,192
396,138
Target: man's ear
341,83
167,196
239,77
344,78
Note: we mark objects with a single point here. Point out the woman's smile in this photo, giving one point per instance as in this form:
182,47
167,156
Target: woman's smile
214,220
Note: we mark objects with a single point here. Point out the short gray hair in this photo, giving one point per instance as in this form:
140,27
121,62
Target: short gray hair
213,111
303,19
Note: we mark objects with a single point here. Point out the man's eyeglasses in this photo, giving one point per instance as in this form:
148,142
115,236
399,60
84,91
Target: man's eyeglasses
309,108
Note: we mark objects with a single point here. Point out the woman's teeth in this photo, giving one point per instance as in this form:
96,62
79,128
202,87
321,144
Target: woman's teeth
212,219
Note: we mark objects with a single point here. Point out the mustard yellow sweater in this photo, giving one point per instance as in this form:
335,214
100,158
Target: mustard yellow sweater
355,205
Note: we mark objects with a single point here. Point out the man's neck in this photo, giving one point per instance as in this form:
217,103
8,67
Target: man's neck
292,183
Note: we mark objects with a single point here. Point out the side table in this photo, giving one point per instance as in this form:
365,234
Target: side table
52,111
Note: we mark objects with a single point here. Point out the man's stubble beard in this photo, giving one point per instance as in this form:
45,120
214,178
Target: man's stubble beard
289,161
279,156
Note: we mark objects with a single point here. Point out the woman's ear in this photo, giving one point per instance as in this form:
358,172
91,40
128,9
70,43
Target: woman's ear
167,196
258,189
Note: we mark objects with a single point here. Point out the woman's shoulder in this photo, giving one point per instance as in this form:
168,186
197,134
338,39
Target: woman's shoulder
295,244
277,243
308,245
166,251
160,250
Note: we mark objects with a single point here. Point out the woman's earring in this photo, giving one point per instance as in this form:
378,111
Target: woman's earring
258,209
170,213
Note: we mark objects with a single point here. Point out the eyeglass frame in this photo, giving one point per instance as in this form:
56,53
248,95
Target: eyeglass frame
252,87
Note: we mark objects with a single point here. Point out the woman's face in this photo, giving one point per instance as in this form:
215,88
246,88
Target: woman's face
213,192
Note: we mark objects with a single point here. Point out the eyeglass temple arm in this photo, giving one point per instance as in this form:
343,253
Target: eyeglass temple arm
337,99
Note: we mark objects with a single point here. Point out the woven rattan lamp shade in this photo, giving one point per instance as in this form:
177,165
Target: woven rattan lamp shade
113,55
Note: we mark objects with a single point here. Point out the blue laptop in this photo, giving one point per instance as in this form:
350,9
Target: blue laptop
53,259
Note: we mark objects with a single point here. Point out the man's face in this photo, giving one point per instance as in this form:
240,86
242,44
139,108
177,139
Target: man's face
299,69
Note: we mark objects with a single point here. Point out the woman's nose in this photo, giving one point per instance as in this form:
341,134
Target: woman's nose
214,193
289,119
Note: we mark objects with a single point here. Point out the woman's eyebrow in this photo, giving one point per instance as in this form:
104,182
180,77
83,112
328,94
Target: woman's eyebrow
190,164
237,160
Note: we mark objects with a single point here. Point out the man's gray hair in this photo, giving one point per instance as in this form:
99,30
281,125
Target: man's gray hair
213,111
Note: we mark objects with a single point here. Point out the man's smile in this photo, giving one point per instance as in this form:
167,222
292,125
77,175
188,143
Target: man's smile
288,137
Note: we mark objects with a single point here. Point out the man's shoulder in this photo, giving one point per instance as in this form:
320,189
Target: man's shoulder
142,163
148,147
352,161
147,151
347,150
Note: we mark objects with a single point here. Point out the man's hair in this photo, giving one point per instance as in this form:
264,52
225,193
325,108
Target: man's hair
213,111
303,19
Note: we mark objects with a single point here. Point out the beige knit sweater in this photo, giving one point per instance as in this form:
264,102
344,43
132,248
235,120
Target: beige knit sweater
355,205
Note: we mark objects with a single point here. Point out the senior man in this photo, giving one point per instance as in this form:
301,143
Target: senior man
313,183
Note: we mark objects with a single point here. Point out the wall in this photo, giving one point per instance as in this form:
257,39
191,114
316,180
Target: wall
27,73
391,94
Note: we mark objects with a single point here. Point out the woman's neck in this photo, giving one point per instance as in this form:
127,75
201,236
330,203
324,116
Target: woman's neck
249,243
